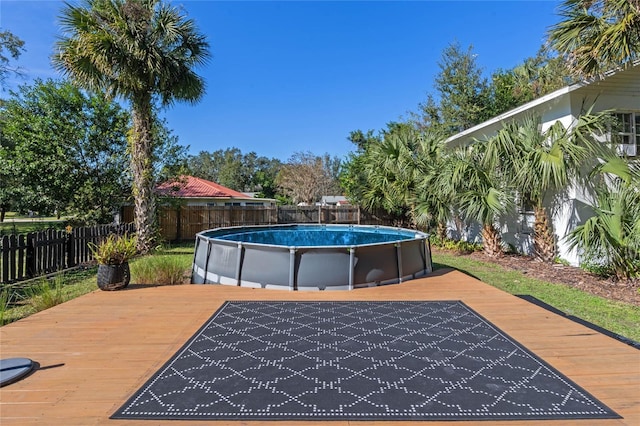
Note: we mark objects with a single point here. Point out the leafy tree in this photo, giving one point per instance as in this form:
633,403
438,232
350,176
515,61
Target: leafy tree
9,191
595,36
462,91
265,176
67,151
225,167
542,74
306,177
362,140
170,158
535,77
242,172
10,46
144,51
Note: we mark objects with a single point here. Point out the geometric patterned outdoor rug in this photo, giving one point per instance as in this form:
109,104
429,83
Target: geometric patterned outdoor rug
356,361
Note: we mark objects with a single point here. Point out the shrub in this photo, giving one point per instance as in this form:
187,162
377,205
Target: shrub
460,247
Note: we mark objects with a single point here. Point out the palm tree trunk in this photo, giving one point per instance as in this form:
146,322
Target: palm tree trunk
491,241
441,230
544,243
142,169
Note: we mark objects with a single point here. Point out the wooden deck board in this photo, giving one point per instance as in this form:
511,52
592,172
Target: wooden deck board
97,350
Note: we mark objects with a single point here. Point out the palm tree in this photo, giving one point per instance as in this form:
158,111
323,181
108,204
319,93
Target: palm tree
541,163
144,51
401,176
480,191
433,191
597,35
611,236
389,173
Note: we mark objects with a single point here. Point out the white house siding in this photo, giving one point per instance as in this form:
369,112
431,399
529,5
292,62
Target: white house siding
620,91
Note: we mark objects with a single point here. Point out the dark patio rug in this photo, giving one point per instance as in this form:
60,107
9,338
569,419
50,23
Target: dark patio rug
356,361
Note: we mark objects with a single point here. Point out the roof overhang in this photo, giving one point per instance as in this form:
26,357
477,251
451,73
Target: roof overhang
553,96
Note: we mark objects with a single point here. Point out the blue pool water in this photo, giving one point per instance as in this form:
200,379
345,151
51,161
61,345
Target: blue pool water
319,236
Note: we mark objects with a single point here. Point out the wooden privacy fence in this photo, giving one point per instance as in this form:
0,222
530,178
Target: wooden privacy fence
184,222
26,256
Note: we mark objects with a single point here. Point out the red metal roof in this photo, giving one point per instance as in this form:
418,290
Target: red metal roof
193,187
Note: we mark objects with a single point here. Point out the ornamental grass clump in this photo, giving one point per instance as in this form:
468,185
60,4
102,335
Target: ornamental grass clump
160,269
115,249
46,293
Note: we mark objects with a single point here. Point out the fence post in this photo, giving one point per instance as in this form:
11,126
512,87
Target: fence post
22,243
5,259
31,255
71,256
179,223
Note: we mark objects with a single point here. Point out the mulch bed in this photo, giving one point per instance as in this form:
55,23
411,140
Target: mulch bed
623,291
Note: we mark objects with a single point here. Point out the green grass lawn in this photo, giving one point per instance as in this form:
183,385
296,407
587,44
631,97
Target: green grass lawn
16,224
618,317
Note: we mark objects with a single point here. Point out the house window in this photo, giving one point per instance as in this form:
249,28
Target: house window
625,132
232,204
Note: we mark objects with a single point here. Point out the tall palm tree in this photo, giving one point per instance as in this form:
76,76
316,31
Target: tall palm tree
597,35
541,163
144,51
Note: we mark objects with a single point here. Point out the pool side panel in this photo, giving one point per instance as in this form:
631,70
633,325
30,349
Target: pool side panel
323,269
199,261
265,266
413,258
375,265
222,263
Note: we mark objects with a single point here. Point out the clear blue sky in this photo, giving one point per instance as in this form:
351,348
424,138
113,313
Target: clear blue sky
299,76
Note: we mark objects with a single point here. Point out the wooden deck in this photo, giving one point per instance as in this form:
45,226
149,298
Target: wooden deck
96,350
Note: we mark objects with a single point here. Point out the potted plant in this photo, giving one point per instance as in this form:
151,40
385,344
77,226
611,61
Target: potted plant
113,256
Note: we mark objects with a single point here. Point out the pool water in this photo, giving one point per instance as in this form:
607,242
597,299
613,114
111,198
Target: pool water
318,237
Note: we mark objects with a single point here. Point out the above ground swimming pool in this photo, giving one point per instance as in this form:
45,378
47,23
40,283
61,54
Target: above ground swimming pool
310,257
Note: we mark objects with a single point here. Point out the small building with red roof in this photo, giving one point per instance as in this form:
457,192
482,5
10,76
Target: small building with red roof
194,191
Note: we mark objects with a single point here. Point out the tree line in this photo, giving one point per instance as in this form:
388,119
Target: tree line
64,150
